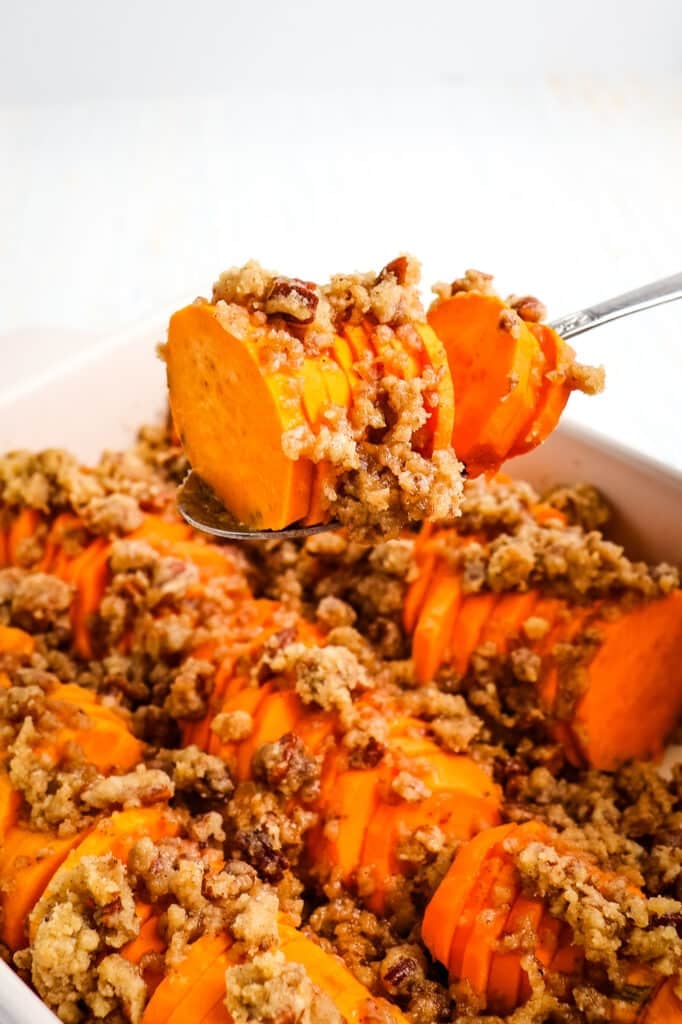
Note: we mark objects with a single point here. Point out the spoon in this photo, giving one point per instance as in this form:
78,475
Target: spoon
200,507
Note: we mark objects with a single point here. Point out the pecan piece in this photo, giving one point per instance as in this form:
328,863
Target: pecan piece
528,307
292,299
396,269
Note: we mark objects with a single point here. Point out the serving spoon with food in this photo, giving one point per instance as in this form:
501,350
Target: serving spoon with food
200,507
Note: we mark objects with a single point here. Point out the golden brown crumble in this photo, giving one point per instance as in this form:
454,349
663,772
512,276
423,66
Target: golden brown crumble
630,820
90,912
269,990
378,479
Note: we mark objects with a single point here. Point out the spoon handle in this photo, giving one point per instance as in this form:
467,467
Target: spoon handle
655,294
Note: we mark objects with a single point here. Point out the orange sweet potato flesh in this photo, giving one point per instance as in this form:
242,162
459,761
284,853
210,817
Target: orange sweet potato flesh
16,641
444,909
89,575
349,798
443,415
507,618
463,801
148,941
416,593
474,612
208,987
329,974
10,802
495,372
28,860
436,620
194,991
231,416
634,694
506,973
183,980
665,1007
487,928
554,393
335,390
278,714
479,900
23,528
104,738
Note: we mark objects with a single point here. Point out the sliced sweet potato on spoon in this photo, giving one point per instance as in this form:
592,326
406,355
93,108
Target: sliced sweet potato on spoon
493,359
231,415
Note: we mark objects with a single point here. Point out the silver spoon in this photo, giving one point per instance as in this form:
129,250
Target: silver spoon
199,506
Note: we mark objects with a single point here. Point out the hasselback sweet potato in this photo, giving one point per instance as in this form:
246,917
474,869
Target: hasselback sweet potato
512,376
632,667
194,992
487,927
362,816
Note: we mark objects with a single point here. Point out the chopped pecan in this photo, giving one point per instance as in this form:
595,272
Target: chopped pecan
473,281
401,969
256,847
396,269
286,767
528,307
292,299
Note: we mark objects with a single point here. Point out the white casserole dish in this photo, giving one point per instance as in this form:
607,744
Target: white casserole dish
98,400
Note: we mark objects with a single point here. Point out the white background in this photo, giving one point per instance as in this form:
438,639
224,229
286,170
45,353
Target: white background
146,146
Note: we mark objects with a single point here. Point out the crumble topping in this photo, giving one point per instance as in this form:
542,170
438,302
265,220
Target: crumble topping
240,857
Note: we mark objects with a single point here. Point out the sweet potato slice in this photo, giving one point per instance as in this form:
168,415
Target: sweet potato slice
344,356
444,910
475,610
566,629
504,987
665,1007
493,369
362,350
163,534
348,800
442,771
249,699
183,980
547,934
208,987
231,416
10,802
62,526
436,619
442,415
416,593
569,957
89,574
458,813
148,941
103,736
118,833
278,714
28,860
507,618
16,641
554,392
487,928
635,677
478,901
336,391
393,357
23,528
331,976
